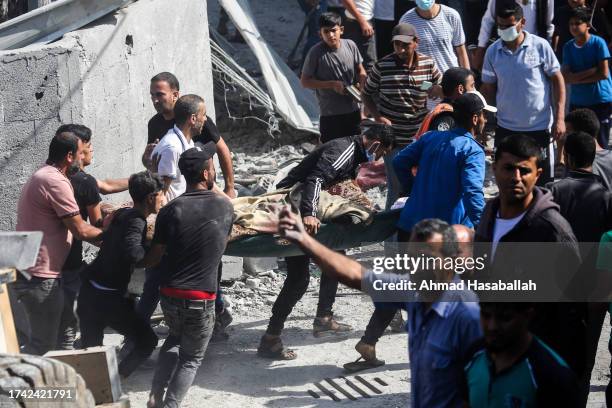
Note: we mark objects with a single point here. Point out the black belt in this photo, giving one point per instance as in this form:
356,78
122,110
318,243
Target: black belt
191,303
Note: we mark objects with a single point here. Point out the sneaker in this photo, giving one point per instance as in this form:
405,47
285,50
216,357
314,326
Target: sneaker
326,326
398,325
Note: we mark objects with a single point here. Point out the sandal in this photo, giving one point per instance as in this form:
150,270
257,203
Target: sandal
273,348
358,365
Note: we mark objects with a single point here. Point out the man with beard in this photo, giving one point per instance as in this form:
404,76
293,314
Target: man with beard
165,91
47,204
511,366
192,232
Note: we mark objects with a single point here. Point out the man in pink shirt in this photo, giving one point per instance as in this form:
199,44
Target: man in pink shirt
47,204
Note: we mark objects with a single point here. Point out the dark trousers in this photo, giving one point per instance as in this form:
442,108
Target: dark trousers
335,126
366,45
313,24
383,30
43,301
98,309
604,114
191,325
383,314
543,139
71,283
294,287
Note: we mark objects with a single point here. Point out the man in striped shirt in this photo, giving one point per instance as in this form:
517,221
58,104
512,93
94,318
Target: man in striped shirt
402,81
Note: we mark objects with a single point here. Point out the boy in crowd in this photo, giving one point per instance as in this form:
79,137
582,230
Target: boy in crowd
331,66
586,70
102,302
561,21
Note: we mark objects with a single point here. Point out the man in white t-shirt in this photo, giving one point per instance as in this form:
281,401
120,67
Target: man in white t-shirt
190,116
359,27
440,33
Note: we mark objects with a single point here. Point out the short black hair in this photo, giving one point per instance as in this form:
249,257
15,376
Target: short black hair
186,106
80,131
382,133
329,20
580,146
194,175
140,185
508,8
425,229
464,118
520,145
513,306
169,78
584,120
582,14
62,144
453,77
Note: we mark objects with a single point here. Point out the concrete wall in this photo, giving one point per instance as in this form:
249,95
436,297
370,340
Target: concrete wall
98,76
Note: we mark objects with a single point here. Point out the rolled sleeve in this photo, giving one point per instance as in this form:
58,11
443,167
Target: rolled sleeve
487,24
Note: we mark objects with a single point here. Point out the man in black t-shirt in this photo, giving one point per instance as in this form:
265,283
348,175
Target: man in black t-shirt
164,94
87,191
102,301
191,234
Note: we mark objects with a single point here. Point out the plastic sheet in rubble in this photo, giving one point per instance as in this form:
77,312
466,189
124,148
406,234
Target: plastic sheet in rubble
295,104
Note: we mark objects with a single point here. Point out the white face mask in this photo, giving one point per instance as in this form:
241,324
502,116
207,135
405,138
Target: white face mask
508,34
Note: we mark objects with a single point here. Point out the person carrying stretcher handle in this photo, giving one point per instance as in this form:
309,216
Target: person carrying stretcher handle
330,163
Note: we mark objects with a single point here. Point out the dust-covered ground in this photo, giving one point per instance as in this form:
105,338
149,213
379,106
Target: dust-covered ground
231,374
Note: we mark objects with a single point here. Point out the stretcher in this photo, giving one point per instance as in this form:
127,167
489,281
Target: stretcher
333,235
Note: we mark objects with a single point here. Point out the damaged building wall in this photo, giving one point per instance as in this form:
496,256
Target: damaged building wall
98,76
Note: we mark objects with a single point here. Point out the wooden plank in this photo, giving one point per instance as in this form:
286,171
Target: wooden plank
98,367
8,343
124,402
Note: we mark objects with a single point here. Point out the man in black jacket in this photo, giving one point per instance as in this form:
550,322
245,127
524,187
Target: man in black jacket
102,301
524,213
330,163
587,206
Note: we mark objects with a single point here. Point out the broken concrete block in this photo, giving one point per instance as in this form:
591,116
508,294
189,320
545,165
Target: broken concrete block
254,266
270,300
232,268
253,283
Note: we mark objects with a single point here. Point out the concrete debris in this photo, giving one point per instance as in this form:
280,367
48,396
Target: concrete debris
253,283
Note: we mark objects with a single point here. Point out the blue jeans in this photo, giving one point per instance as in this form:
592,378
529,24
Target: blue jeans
313,24
191,325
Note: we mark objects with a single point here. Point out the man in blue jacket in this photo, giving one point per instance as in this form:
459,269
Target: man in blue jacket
448,186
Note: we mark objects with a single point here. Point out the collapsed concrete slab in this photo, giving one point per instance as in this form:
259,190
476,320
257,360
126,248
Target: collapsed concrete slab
98,76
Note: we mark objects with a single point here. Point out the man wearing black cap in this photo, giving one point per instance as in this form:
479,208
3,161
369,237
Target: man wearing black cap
401,82
192,232
448,186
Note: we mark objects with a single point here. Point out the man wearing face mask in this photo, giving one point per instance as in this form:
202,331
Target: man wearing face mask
330,163
440,32
523,74
47,204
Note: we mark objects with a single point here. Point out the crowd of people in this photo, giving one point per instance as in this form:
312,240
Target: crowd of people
419,87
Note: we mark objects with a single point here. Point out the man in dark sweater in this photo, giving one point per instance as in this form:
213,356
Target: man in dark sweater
330,163
587,206
192,232
103,302
524,213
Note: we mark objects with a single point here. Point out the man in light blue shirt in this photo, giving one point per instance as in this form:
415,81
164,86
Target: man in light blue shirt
441,325
522,73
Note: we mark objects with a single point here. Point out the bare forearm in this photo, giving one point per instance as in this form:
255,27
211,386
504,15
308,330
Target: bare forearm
112,186
225,161
332,263
462,56
558,86
488,91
